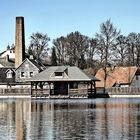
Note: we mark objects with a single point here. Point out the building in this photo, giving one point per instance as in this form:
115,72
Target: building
27,69
7,57
119,77
66,81
10,52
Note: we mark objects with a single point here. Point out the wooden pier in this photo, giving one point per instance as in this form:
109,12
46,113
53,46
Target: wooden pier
72,94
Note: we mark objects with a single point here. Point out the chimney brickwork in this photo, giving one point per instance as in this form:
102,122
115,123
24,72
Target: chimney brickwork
19,41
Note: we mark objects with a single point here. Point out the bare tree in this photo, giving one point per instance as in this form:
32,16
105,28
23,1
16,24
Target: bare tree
61,50
133,52
77,45
107,40
138,50
131,42
120,50
38,45
91,52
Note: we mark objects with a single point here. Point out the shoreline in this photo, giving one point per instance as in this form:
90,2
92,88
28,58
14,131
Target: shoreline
62,97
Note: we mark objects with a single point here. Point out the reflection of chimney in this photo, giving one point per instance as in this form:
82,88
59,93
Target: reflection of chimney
19,41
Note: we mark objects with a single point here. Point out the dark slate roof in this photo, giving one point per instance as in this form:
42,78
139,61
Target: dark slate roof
7,64
2,53
73,74
37,63
3,76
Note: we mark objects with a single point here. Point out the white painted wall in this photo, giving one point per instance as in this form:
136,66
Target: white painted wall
11,54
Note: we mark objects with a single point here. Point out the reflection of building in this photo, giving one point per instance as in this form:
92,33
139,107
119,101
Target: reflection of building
115,120
23,119
65,119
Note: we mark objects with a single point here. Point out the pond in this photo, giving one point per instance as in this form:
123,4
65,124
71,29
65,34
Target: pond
77,119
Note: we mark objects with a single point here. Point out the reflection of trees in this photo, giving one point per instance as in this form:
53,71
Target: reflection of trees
70,121
116,120
65,119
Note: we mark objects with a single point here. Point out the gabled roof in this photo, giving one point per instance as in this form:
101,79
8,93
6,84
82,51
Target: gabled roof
2,53
121,75
37,64
73,74
5,63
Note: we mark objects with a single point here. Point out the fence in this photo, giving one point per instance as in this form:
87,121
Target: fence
124,90
15,91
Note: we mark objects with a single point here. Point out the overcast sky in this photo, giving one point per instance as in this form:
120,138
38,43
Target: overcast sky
61,17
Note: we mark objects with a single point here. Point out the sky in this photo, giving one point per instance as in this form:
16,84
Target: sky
58,18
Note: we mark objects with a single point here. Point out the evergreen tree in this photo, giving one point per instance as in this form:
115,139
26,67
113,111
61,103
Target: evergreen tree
53,57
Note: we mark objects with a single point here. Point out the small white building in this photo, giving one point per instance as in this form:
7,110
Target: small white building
10,52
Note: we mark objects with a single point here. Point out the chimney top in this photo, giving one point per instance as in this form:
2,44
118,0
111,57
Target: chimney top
31,57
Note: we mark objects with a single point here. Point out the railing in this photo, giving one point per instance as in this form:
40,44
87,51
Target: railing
40,90
78,93
73,91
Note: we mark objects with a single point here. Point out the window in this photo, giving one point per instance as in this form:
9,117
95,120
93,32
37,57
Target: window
26,65
22,74
73,85
9,75
58,74
31,74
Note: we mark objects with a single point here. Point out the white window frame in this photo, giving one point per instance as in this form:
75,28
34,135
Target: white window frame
9,75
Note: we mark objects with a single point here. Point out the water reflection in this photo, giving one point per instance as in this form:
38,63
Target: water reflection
69,119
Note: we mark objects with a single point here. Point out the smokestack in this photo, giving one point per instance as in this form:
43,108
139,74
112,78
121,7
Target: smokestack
19,41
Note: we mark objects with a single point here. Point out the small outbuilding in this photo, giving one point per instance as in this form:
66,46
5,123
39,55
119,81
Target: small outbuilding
62,82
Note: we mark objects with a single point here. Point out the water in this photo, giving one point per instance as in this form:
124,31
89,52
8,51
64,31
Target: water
83,119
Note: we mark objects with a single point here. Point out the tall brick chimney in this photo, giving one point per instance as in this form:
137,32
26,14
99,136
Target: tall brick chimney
19,41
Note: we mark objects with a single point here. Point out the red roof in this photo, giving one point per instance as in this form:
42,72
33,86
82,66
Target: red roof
122,75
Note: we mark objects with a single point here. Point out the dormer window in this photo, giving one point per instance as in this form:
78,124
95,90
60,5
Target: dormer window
58,74
9,75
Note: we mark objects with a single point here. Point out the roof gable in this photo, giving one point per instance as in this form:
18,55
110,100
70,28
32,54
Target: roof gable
10,70
32,62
